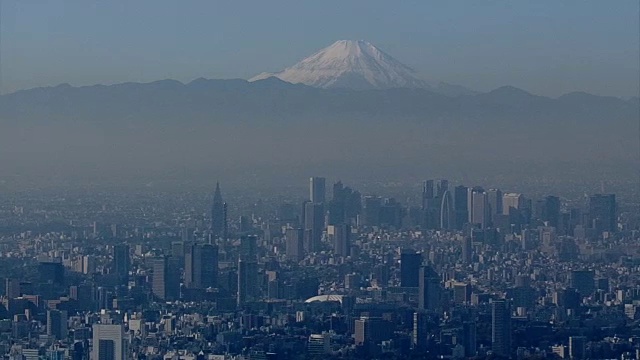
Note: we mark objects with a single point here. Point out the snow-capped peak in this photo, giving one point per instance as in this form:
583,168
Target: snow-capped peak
350,64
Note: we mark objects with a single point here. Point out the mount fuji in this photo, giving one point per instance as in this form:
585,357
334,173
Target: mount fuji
357,65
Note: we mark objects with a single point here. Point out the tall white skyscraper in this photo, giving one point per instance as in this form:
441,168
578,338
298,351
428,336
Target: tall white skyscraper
511,201
109,342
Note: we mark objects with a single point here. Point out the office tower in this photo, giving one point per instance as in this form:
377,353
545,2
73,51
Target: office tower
428,192
369,330
478,203
469,338
51,271
410,263
431,205
447,214
295,244
511,202
501,328
248,247
551,210
12,288
201,266
494,197
461,206
420,334
441,187
57,324
313,225
247,281
88,264
577,347
583,281
342,240
218,215
121,262
371,211
602,212
467,249
429,291
317,189
109,342
166,278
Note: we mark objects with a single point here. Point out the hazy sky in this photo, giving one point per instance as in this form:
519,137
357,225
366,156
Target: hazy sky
548,47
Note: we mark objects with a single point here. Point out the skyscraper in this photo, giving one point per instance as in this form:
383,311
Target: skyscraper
57,324
602,212
166,278
218,215
469,338
429,291
420,333
121,262
461,206
583,281
501,328
494,196
295,244
109,342
551,210
447,215
317,189
342,240
479,214
410,262
313,225
247,281
201,266
511,202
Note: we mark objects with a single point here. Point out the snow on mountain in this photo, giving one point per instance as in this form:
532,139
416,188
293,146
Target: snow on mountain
350,64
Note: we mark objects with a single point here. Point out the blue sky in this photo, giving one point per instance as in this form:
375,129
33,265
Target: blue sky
548,47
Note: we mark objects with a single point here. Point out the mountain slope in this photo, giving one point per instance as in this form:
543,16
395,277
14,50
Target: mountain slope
350,64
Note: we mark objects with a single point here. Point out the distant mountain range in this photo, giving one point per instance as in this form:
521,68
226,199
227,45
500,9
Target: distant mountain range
272,98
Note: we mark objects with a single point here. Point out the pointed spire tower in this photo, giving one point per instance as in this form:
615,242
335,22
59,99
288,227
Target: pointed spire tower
218,215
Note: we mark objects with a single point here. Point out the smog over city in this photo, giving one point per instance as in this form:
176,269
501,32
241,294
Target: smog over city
319,180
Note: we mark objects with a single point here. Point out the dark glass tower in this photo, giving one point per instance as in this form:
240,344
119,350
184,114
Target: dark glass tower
218,215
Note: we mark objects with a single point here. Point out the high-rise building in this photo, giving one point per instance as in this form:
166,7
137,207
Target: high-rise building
583,281
166,278
410,263
467,249
12,288
478,204
121,262
602,212
51,271
420,333
109,342
218,215
461,206
342,240
57,324
577,347
248,247
369,330
313,225
429,291
469,338
371,211
201,266
247,281
494,196
501,328
317,189
447,214
511,202
295,244
551,210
